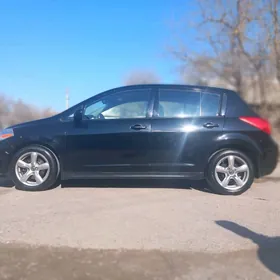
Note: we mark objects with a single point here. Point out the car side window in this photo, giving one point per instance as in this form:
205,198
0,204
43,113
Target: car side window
120,105
210,104
178,103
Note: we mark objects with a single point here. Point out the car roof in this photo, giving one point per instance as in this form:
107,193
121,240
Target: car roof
175,86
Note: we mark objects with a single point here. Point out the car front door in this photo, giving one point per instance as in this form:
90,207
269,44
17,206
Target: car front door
185,127
113,137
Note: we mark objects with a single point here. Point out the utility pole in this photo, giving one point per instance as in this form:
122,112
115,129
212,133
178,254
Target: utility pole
67,98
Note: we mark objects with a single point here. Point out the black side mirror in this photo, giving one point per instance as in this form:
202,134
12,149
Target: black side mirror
78,116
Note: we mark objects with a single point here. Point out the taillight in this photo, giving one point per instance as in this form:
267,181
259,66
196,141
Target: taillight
259,123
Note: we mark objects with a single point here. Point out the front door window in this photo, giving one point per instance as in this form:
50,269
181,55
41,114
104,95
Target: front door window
128,104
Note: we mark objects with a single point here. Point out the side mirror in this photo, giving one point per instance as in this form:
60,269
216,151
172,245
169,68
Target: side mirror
78,116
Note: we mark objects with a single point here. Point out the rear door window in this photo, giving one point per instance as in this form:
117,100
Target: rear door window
177,103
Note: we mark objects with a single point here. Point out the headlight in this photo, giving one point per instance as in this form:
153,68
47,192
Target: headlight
6,133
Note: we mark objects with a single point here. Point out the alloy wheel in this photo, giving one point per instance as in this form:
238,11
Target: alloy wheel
232,172
32,169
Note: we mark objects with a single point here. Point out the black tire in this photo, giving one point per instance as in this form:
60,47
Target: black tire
214,184
51,179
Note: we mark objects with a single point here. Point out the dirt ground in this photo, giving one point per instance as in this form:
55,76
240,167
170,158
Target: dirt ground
140,230
46,263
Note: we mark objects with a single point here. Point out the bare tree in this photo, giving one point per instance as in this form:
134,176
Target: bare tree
273,29
237,37
4,110
141,77
14,112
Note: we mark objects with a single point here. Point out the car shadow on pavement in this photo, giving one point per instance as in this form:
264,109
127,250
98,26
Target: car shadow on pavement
268,247
6,182
199,185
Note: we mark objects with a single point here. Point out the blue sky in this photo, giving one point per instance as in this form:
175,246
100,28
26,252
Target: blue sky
86,45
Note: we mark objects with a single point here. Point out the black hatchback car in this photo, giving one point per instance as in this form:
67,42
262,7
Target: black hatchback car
144,131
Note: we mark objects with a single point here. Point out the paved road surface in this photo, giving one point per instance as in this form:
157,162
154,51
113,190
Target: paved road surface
163,230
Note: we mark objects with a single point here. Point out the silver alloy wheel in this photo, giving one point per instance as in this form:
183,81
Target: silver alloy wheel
232,172
32,169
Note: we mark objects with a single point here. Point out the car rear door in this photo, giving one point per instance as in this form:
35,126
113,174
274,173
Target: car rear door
185,127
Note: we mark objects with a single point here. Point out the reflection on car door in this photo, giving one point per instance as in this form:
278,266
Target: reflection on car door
184,127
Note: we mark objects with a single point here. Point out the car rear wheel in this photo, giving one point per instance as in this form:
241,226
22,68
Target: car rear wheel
34,168
230,173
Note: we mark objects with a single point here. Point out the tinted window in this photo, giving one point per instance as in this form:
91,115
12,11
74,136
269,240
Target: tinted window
178,103
120,105
210,104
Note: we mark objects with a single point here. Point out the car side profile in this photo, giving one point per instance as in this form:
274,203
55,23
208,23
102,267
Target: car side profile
144,131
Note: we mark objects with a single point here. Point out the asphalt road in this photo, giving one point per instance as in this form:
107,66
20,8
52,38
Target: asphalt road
140,230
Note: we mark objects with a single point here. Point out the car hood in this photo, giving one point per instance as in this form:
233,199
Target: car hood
31,123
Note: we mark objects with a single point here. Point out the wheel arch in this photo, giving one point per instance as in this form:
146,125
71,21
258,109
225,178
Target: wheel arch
248,147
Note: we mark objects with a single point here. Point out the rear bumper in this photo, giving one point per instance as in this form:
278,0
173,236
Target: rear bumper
269,159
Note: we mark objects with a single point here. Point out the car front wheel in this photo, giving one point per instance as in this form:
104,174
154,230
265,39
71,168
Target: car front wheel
230,173
34,168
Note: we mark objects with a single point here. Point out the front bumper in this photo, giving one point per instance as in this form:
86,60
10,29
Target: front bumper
5,157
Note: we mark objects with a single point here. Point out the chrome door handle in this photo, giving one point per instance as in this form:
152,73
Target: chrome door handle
210,125
138,127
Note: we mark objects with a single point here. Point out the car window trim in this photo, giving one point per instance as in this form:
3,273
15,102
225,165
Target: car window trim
156,104
223,105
